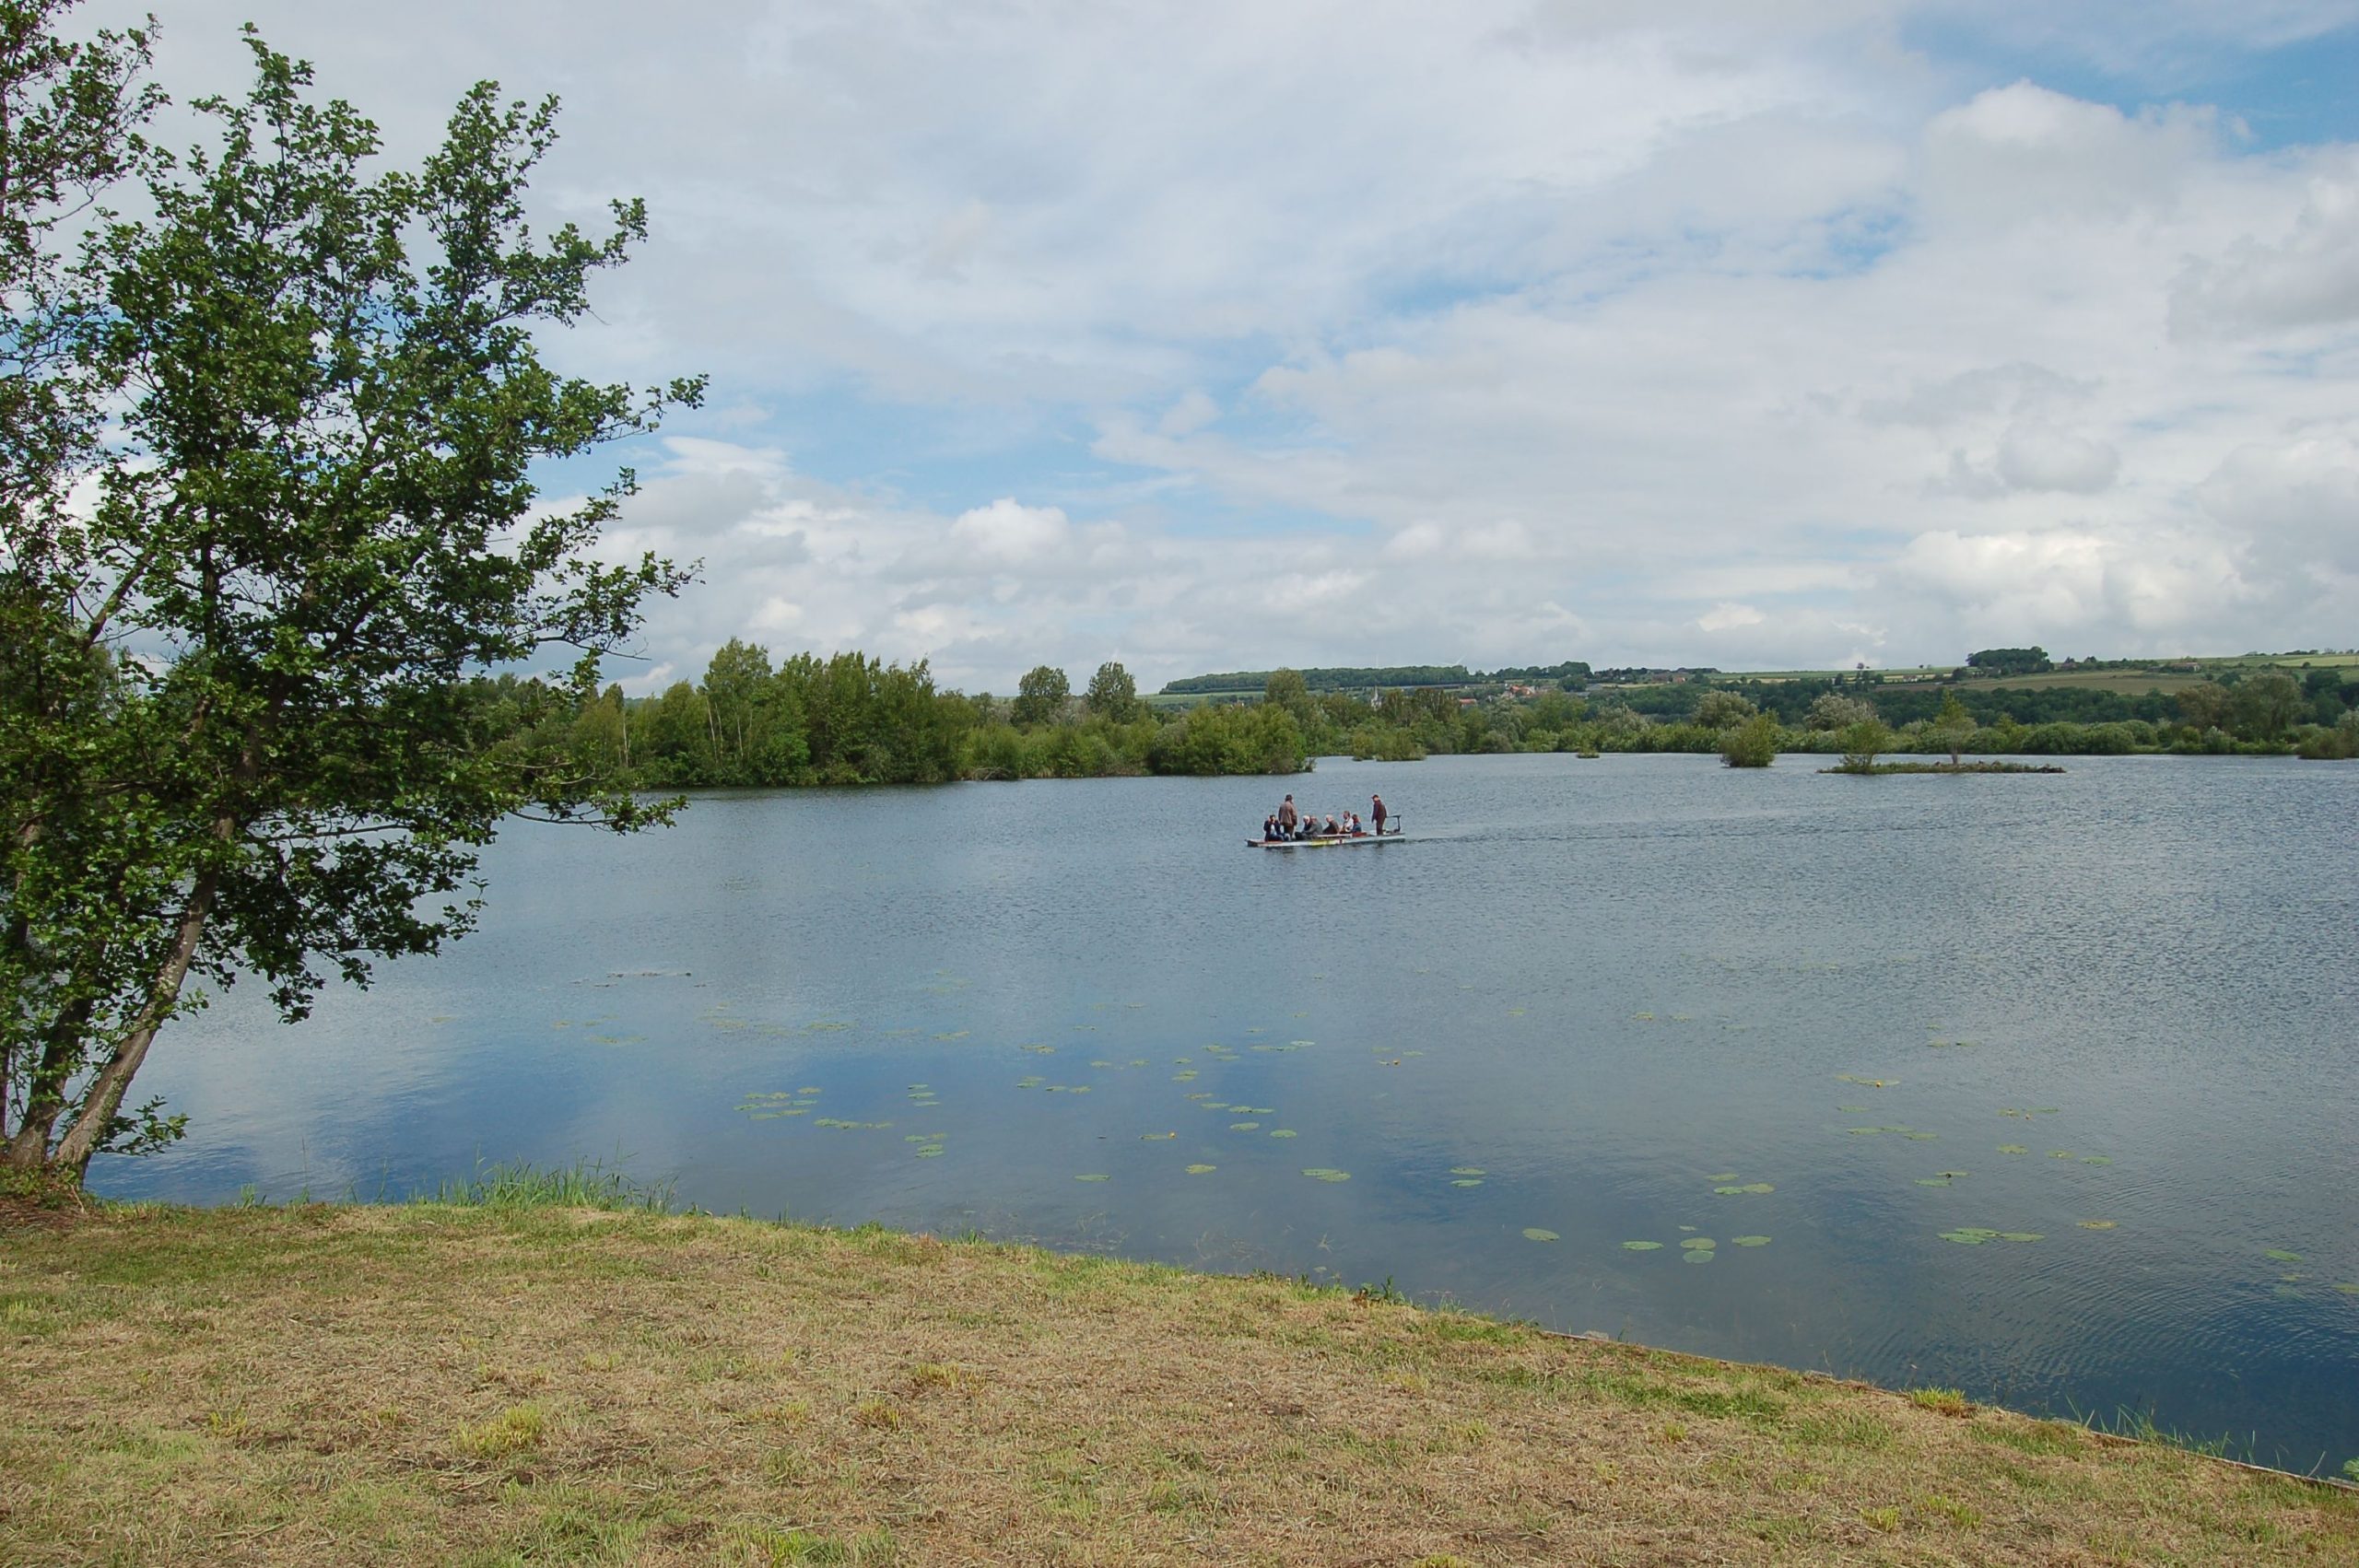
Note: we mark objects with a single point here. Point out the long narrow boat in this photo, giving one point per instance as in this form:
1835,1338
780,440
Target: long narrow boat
1324,841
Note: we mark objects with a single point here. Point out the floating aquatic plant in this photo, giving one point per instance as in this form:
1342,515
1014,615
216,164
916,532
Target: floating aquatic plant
1533,1233
1699,1243
1749,1186
1321,1172
1642,1247
2098,1225
1468,1171
1748,1241
2279,1255
1094,1176
1202,1170
1468,1181
1243,1125
2013,1149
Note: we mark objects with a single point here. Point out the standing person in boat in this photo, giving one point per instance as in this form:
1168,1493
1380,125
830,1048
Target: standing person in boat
1376,810
1288,818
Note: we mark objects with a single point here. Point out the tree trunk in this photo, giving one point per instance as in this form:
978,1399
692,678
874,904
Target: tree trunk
105,1094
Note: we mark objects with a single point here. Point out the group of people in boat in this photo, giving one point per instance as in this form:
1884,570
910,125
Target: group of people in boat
1289,822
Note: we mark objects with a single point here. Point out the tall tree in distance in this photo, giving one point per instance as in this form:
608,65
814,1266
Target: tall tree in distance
1952,726
1112,694
1041,695
319,517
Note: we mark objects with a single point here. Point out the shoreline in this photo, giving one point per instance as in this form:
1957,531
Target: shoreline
512,1379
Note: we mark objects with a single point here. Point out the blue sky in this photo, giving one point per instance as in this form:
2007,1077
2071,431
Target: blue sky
1225,335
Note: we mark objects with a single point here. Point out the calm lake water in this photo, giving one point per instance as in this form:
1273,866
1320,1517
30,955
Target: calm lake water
2116,1011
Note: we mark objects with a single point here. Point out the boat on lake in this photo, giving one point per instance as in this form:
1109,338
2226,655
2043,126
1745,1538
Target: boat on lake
1323,840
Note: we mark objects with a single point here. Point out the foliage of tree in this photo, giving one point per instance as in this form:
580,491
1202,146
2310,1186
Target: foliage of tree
1112,694
237,737
1861,740
1833,710
1753,743
1326,680
1722,710
1042,694
1952,725
2011,661
2265,706
2204,705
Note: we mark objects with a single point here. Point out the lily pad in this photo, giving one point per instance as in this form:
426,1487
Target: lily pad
1699,1257
1852,1110
1243,1125
932,1151
2013,1149
1970,1235
1699,1243
1202,1170
1468,1181
2096,1160
1155,1137
1748,1241
1750,1186
2279,1255
1321,1172
1642,1247
2348,1290
2098,1225
1282,1132
1094,1176
1533,1233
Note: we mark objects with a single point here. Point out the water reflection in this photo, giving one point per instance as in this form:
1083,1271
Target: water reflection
1611,987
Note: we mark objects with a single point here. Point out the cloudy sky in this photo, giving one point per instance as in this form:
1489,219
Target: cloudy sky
1216,335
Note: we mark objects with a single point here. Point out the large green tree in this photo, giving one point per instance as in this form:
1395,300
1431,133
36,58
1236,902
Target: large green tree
1041,695
235,741
1112,694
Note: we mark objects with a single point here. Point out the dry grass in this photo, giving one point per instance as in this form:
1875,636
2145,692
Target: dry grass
444,1385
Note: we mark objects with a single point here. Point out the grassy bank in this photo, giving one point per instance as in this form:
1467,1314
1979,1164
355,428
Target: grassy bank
514,1383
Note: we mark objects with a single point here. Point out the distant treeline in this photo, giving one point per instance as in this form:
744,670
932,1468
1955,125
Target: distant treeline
850,719
1571,675
2266,713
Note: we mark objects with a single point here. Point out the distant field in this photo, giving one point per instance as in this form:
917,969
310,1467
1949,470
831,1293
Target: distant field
2163,676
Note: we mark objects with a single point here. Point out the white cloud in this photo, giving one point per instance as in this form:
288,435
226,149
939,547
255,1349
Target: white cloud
1229,334
1005,532
1729,617
2307,277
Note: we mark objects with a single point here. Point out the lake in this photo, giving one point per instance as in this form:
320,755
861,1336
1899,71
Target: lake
1891,1025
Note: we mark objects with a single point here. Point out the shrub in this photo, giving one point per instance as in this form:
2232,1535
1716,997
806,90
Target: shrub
1753,743
1862,741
